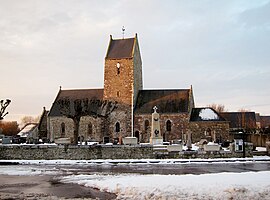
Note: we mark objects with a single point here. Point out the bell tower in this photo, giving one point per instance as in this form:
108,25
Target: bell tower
123,79
123,70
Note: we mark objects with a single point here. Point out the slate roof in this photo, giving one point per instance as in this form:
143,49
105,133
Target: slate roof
120,48
240,119
167,101
27,129
265,121
205,114
43,118
73,95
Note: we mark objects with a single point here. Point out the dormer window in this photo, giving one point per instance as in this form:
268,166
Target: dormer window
118,68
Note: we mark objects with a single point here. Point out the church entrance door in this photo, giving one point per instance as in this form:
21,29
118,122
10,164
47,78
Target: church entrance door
137,135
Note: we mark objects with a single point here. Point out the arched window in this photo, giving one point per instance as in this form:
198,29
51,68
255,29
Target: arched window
208,132
117,127
90,129
168,125
146,125
63,129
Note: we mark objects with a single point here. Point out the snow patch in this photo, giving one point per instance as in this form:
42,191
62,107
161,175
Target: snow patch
247,185
27,170
208,114
261,149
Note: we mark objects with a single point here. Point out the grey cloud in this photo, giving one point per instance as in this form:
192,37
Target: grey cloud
258,17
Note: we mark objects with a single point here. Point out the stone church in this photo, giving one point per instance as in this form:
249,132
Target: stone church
123,83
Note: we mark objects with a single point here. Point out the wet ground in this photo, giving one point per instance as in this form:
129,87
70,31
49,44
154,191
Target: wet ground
47,186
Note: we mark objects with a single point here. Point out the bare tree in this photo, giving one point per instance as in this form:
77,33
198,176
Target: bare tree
218,107
4,105
75,109
29,119
243,110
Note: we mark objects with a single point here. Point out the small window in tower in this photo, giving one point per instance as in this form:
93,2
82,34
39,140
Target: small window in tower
117,127
118,93
118,68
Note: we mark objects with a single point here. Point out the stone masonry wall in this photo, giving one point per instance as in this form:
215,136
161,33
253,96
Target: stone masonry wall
118,86
55,128
74,152
137,71
38,152
206,130
54,124
179,126
121,115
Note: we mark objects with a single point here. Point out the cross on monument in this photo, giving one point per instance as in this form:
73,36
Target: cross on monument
155,109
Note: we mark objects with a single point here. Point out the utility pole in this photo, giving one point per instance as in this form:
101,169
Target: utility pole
244,139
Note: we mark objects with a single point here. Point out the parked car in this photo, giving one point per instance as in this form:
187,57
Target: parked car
1,137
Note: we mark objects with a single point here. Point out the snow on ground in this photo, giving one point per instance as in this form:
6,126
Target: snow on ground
22,170
248,185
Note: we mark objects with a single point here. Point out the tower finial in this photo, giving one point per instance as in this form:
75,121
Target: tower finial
123,32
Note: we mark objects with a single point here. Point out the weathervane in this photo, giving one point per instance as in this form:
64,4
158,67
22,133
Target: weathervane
123,32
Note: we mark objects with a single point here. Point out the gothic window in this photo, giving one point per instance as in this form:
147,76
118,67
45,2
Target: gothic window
146,125
63,129
117,127
168,125
118,93
90,129
118,68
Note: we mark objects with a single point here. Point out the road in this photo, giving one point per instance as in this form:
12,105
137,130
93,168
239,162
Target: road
166,169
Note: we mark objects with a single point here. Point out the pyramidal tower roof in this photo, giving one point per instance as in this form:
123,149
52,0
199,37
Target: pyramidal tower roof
121,48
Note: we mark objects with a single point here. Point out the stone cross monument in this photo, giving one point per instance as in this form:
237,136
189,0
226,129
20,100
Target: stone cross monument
156,137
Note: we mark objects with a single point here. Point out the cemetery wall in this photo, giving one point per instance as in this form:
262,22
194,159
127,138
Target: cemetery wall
35,152
70,152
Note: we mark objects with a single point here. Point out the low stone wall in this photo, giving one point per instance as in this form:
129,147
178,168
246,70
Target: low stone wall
70,152
75,152
202,155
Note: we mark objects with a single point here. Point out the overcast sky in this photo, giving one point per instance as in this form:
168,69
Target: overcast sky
222,48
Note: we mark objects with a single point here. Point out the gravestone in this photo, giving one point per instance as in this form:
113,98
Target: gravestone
156,137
